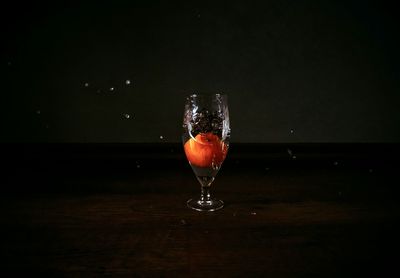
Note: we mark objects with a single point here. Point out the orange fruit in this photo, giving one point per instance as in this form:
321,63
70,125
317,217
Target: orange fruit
205,150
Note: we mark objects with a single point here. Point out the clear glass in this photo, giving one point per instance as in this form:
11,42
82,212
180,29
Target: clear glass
206,134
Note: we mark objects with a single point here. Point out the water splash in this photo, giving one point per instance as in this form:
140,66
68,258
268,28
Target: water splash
290,152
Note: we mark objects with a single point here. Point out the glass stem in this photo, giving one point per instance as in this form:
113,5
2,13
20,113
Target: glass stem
205,194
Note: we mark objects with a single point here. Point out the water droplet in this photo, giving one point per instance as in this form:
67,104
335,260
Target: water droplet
290,152
294,157
138,166
86,85
127,82
254,213
291,131
127,116
112,89
38,112
336,163
161,137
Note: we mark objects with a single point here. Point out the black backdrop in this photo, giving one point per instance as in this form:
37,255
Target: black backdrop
295,71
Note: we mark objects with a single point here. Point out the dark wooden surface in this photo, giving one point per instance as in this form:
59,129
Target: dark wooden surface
122,212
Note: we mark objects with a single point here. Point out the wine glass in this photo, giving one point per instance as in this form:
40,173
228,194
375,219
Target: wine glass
206,134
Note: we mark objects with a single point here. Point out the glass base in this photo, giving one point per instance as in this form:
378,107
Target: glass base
211,205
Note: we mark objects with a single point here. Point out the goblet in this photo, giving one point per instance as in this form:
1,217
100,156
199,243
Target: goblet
206,134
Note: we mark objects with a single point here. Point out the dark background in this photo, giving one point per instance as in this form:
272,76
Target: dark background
295,71
300,75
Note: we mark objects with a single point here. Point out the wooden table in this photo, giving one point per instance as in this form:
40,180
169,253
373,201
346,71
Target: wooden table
283,218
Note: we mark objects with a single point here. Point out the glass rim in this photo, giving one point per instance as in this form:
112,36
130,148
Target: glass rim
208,95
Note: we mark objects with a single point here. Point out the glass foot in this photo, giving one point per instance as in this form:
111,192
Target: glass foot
211,205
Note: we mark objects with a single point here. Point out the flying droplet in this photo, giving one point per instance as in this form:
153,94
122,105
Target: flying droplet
86,84
294,157
290,152
127,82
336,163
127,116
112,89
291,131
161,137
254,213
38,112
138,166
